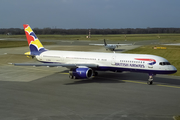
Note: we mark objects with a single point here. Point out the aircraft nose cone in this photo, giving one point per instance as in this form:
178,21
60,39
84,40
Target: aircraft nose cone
173,69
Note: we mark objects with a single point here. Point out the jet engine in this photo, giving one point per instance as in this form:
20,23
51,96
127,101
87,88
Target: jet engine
81,73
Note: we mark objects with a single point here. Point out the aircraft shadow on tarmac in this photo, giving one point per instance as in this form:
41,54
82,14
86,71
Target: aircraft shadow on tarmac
94,80
97,79
111,77
104,77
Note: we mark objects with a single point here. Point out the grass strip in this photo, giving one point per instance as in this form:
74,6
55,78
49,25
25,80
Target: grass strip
176,117
164,38
9,44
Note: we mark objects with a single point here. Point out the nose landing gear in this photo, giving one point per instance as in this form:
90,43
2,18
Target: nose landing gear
150,80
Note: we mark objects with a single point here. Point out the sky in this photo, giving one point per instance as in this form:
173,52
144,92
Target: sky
84,14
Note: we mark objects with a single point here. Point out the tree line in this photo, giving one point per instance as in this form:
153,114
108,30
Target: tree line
18,31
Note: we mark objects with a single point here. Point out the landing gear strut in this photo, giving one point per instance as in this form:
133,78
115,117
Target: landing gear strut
150,80
95,74
72,77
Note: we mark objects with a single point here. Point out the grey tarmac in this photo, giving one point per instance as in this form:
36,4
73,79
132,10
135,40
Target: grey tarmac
43,93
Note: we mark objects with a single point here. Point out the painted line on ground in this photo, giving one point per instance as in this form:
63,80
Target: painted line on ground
168,86
153,84
131,81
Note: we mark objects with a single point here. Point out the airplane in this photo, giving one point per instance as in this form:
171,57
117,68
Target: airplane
84,65
110,47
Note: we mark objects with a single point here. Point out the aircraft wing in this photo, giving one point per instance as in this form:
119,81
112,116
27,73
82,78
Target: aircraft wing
97,44
112,44
56,64
119,44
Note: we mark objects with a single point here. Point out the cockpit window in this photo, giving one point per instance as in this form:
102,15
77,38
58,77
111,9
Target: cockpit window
164,63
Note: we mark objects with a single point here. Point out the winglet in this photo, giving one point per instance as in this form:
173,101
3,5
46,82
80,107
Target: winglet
35,45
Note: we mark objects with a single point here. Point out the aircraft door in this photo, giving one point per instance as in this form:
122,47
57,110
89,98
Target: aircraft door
113,60
150,66
61,58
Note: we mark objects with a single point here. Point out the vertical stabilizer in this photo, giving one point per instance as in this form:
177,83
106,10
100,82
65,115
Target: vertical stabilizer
105,42
35,45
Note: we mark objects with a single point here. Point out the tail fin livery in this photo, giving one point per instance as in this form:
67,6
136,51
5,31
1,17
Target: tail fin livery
35,45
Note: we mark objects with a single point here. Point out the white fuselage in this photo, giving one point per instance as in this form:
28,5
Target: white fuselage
111,61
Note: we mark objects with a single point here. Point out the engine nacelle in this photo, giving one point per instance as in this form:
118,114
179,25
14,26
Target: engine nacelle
82,73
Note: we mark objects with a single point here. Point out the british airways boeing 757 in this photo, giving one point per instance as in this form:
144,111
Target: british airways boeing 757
84,65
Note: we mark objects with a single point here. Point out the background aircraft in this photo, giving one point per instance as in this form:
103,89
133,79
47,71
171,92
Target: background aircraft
110,47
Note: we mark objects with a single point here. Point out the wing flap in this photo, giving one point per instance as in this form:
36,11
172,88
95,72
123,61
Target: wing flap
56,64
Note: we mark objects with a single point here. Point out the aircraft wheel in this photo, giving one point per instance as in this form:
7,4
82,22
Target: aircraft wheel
150,82
74,77
71,76
95,73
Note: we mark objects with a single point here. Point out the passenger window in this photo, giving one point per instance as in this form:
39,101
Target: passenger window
164,63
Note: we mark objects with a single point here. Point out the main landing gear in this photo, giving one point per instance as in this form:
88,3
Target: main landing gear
72,77
95,73
150,80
